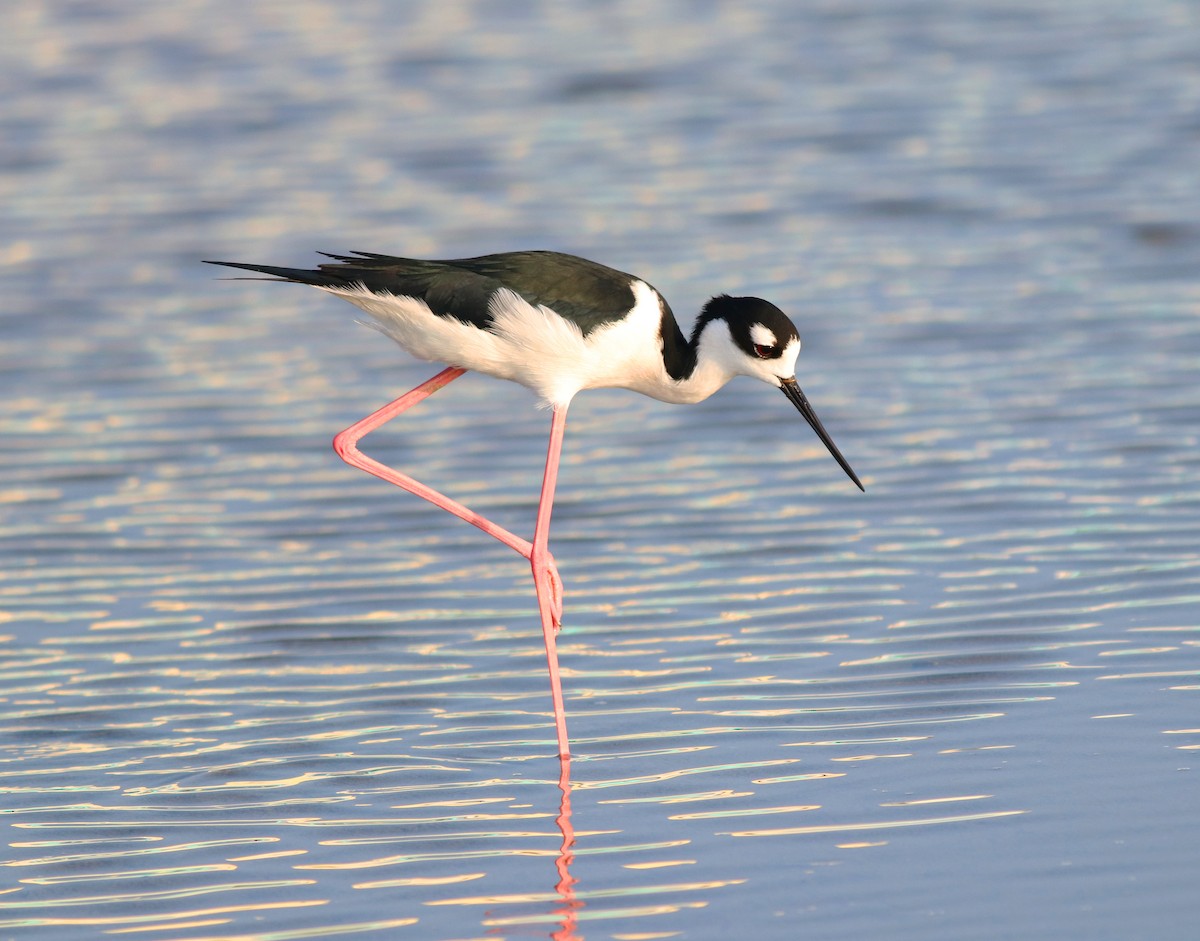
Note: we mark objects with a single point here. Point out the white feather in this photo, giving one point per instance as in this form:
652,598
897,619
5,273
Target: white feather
761,335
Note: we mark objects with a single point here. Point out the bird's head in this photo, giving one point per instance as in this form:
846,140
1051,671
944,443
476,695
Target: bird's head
759,340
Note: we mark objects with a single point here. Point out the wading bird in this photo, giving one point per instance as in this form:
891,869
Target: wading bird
556,324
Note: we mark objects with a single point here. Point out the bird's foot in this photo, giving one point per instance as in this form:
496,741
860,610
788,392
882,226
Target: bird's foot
549,588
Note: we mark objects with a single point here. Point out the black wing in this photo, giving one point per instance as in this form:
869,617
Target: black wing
588,294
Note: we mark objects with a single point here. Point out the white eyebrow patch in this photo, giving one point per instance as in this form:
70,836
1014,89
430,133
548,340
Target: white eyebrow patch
761,336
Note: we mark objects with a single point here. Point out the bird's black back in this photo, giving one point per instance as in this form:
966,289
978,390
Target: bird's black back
581,291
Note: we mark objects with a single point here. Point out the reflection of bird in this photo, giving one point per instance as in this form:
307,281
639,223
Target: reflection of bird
556,324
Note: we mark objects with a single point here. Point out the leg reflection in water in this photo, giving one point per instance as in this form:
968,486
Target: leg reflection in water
566,882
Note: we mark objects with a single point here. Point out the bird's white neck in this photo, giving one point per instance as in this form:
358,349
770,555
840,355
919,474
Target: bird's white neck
713,370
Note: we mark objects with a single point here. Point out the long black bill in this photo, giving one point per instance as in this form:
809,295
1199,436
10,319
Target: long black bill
798,399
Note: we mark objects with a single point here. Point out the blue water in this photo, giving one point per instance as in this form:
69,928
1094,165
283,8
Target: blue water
249,693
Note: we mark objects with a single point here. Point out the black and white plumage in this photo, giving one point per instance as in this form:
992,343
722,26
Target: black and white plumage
559,324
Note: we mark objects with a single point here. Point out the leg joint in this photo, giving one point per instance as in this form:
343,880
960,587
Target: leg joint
346,446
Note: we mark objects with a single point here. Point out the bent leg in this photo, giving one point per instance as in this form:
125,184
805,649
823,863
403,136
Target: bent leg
346,445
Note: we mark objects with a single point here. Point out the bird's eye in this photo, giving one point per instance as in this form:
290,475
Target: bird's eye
762,351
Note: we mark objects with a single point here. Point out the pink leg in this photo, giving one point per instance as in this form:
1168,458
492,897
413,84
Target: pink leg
545,573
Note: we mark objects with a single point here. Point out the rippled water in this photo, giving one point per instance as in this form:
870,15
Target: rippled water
248,693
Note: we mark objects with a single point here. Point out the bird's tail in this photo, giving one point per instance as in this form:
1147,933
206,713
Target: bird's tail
316,277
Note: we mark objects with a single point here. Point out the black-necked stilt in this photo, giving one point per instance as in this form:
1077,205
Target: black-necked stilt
556,324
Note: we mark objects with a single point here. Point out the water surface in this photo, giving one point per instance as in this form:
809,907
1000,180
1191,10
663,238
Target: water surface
248,693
